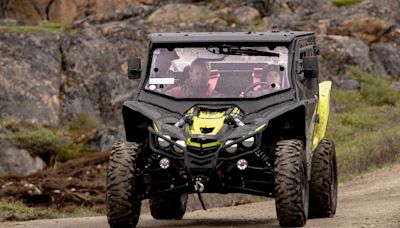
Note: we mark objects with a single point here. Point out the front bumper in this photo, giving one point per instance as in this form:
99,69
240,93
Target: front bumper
213,167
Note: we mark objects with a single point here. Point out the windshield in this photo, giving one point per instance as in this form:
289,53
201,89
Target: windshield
218,71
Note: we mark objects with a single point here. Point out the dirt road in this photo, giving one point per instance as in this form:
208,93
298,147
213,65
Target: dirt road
371,201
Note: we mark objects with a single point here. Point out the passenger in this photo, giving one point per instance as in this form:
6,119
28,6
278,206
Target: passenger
163,62
274,80
196,85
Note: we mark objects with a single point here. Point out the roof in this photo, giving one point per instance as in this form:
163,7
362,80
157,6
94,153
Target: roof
181,37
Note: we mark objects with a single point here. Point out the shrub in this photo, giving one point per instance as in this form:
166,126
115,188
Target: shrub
375,90
42,142
45,27
340,3
83,123
365,124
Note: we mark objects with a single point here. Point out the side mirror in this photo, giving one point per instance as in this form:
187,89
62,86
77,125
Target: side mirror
134,68
310,66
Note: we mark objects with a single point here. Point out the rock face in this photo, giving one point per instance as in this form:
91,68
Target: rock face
344,51
174,14
94,77
18,161
70,11
30,67
389,55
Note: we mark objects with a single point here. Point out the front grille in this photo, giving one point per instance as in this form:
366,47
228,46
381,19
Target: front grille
201,157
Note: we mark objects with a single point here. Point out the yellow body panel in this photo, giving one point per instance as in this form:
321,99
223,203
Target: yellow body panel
323,112
211,120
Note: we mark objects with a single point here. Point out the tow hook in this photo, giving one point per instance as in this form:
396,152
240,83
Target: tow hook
198,186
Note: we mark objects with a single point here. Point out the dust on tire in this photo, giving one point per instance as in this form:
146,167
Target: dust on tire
123,205
291,185
324,183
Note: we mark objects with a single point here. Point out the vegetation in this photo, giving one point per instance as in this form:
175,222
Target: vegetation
365,125
83,123
44,27
17,211
340,3
52,144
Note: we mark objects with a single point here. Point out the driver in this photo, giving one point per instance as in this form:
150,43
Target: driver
271,81
197,83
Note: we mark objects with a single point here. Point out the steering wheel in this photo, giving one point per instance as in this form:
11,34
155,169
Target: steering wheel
264,86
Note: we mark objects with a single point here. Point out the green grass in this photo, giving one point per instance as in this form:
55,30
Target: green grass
340,3
365,125
17,211
45,27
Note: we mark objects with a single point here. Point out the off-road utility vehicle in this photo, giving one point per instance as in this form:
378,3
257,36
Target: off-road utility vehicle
208,118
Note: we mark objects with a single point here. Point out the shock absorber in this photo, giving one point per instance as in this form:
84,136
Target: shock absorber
263,157
150,159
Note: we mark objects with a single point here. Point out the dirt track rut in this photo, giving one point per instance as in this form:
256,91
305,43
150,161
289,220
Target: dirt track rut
371,201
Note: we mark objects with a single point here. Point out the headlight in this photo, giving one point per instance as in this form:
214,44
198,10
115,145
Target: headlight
232,148
248,142
162,142
181,143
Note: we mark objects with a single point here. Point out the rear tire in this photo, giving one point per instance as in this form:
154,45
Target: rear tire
122,200
291,185
169,206
324,182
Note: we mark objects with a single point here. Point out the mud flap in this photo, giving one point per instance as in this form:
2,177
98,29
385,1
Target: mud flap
322,112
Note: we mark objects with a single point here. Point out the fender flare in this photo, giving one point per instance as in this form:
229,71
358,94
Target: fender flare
323,109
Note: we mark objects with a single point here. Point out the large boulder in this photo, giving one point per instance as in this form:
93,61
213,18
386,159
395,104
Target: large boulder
389,55
175,14
30,77
30,12
246,15
340,52
18,161
103,140
369,20
94,77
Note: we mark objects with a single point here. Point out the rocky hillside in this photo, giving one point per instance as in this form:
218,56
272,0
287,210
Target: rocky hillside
63,58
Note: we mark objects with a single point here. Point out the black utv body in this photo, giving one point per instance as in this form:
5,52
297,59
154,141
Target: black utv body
240,133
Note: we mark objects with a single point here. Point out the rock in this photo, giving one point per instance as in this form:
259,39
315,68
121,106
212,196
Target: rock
8,22
369,20
339,52
174,14
3,130
396,86
18,161
367,28
67,11
63,11
30,12
94,79
263,6
149,2
389,55
393,36
349,84
30,69
103,140
246,15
